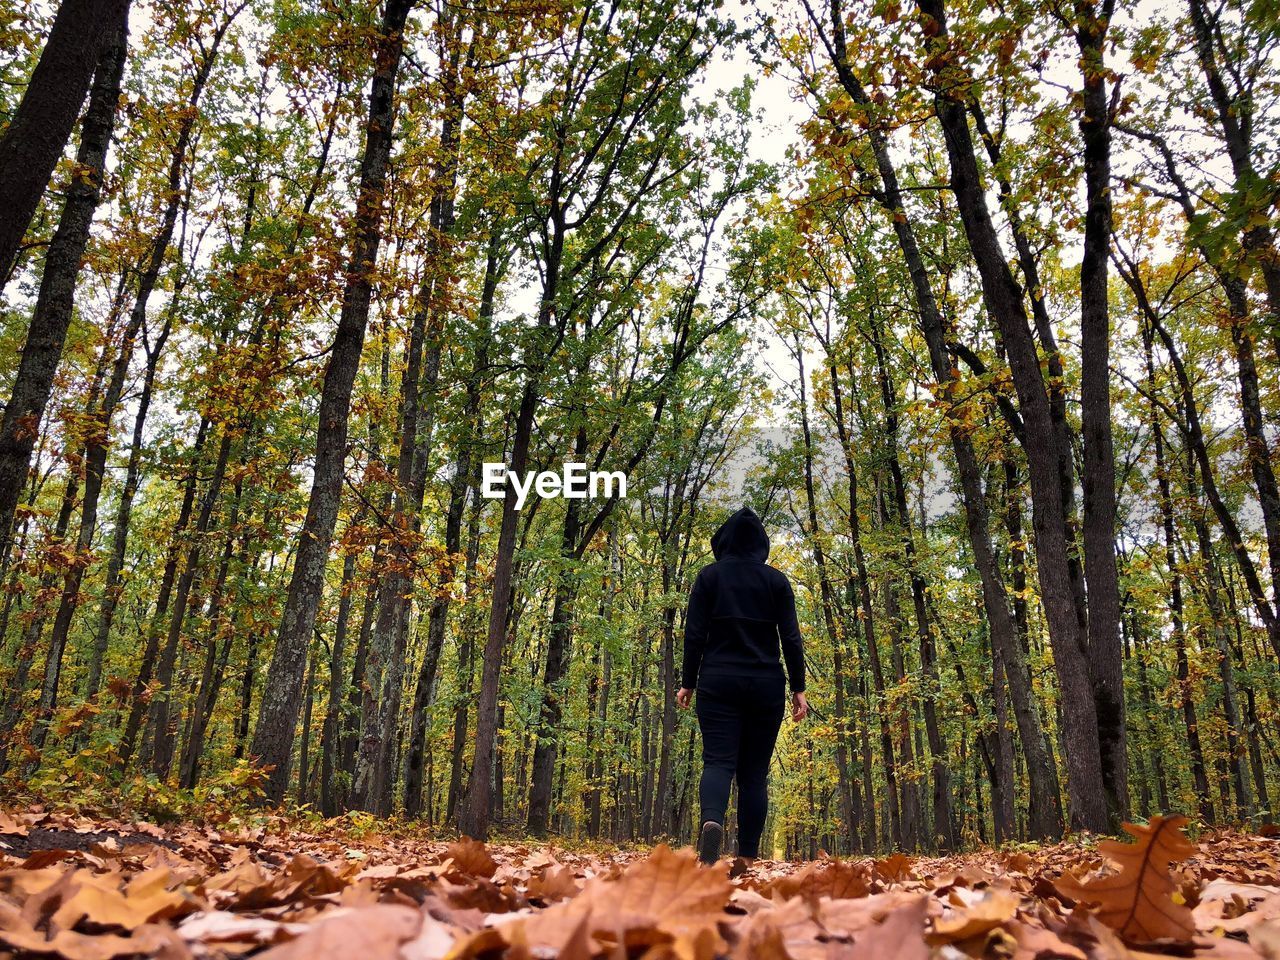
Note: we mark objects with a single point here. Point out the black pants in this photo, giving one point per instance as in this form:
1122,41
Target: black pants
739,717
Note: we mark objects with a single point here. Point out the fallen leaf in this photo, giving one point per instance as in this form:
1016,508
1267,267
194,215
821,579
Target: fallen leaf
900,936
837,879
368,933
11,826
554,883
99,899
1137,900
896,867
976,918
1036,942
470,856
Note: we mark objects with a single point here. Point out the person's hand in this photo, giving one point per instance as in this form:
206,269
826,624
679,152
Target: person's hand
684,697
799,707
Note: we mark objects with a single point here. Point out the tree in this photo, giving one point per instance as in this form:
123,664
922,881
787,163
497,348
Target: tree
37,133
278,714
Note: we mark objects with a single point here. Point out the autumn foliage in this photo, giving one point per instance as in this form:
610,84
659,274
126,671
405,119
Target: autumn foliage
88,889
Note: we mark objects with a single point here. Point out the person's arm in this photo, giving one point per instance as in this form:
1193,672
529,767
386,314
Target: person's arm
789,634
696,617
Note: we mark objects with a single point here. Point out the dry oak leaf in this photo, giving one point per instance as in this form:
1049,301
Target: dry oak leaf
242,878
837,879
232,930
1111,947
1226,900
368,933
972,917
900,936
99,899
667,898
554,883
11,825
896,867
787,931
303,878
470,856
1137,901
21,883
848,918
433,941
1265,938
1019,862
669,890
749,901
1259,913
1035,942
152,940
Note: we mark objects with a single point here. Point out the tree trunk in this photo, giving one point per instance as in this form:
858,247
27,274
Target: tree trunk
871,652
943,834
113,584
1003,299
278,713
47,333
32,143
163,732
1098,474
1044,821
845,785
331,732
129,739
438,617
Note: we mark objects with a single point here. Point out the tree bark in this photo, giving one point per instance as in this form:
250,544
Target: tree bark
1004,303
438,616
32,143
55,302
1043,819
845,785
1098,474
278,713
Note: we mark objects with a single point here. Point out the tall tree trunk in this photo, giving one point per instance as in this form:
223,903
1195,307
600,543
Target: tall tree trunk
466,651
1186,700
1004,303
146,671
113,584
943,834
845,785
331,732
559,639
438,616
1044,821
871,652
164,735
25,654
1098,474
474,814
35,137
278,713
47,333
376,764
216,657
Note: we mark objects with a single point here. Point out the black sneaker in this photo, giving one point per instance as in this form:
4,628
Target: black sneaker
710,841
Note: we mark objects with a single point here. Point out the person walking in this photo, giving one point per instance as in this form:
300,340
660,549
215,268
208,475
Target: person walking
741,614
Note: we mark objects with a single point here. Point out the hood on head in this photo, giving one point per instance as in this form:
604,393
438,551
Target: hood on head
742,535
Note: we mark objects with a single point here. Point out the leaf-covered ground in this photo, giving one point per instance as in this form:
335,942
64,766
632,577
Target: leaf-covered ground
91,889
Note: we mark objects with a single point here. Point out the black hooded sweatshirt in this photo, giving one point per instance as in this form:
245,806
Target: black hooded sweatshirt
741,610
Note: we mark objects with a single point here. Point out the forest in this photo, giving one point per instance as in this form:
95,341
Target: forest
977,304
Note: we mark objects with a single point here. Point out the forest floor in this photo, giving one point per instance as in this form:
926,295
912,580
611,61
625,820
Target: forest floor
97,889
